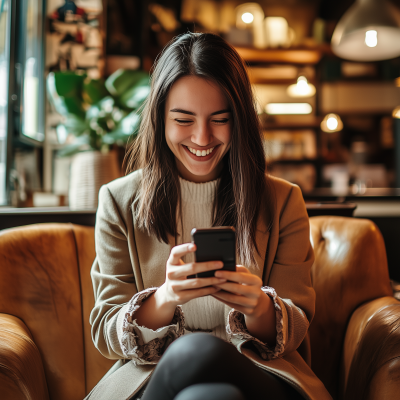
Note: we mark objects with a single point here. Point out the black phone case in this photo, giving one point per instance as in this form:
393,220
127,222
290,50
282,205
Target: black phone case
215,244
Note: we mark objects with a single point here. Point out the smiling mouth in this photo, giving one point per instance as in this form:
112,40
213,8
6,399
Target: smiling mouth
200,153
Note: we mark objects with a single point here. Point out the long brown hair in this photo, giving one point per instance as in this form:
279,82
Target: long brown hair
242,191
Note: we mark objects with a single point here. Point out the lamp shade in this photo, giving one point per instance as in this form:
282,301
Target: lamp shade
368,31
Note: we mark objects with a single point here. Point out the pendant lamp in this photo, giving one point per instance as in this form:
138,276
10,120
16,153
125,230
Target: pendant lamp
368,31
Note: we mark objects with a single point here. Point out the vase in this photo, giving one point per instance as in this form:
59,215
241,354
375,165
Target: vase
89,171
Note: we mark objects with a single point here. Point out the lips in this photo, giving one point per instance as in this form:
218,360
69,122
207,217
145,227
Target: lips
201,153
208,153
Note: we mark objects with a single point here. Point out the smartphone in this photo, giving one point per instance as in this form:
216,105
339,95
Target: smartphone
215,244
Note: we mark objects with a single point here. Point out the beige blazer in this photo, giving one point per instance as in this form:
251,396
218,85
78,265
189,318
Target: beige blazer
128,260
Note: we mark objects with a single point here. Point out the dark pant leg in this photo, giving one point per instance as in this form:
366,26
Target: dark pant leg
211,391
203,358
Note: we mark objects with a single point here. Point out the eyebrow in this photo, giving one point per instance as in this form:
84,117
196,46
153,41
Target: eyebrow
179,110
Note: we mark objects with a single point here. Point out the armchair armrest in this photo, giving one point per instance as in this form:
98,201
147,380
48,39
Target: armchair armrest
21,369
371,353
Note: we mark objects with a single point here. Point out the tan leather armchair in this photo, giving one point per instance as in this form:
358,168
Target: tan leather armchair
46,296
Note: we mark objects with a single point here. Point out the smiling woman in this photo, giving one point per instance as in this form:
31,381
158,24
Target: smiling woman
198,162
201,98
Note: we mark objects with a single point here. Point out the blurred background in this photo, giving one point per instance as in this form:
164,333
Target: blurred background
326,76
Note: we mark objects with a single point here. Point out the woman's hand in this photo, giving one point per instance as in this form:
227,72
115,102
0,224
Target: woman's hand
242,291
177,289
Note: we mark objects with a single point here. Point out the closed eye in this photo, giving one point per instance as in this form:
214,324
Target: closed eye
215,121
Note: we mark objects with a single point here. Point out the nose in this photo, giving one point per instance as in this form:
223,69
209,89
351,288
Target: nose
202,136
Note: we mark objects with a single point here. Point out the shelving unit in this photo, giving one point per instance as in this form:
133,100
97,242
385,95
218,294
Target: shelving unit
300,56
300,168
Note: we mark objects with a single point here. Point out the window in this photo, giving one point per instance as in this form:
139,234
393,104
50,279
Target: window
21,82
4,68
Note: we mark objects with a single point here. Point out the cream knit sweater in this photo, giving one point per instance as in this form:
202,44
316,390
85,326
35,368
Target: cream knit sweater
197,201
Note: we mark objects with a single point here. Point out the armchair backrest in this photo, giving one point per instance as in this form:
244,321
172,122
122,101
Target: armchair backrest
45,281
350,269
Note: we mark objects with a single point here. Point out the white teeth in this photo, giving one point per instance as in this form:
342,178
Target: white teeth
200,153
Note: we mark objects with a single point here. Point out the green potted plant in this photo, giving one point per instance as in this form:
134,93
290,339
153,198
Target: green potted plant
98,114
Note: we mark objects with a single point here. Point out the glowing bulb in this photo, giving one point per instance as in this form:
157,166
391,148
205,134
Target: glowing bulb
332,123
302,85
247,18
371,38
301,89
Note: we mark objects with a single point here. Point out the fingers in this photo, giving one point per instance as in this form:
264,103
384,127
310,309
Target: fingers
237,307
179,251
246,302
243,290
193,268
240,277
196,283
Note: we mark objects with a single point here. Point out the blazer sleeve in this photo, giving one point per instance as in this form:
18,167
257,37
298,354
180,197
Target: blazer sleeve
114,330
289,285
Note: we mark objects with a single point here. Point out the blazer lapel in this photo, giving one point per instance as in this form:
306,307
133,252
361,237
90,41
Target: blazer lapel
262,236
152,256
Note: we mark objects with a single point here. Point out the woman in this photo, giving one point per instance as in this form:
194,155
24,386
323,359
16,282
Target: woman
198,161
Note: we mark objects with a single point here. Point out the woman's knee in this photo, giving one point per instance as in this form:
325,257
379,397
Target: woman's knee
198,349
198,345
210,391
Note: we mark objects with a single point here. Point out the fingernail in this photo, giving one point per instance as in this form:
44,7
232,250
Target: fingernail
221,280
219,264
217,274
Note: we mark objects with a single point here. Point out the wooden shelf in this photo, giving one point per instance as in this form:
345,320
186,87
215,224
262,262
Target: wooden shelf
286,56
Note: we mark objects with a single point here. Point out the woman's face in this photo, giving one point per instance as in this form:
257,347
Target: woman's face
198,127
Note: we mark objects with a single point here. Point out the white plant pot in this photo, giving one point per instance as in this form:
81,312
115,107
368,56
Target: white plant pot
89,171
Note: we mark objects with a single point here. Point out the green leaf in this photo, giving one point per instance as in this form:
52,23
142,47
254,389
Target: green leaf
65,92
75,125
134,97
123,79
94,90
125,129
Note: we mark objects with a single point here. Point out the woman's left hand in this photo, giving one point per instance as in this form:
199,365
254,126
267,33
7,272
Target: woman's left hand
243,292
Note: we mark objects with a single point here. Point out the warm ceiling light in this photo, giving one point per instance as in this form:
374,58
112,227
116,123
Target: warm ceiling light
277,31
332,123
396,113
301,89
356,35
371,38
247,18
288,108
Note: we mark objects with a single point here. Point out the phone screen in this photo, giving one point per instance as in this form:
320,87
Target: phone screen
215,244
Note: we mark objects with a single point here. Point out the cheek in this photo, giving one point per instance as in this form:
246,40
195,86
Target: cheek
175,134
224,134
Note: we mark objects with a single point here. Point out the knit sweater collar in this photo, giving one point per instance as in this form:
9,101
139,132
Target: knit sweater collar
200,193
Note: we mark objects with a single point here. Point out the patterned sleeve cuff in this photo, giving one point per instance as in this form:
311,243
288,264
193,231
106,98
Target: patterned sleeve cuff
236,328
133,340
